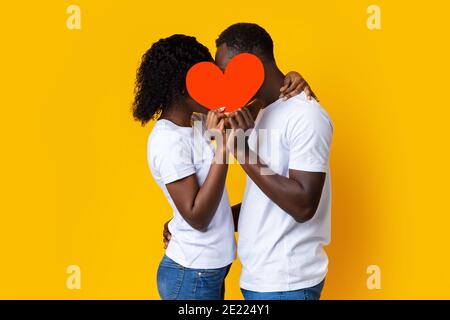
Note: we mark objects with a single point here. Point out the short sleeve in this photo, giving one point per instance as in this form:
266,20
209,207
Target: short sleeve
172,158
309,138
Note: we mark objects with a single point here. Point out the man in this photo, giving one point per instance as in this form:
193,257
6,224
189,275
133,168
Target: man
284,219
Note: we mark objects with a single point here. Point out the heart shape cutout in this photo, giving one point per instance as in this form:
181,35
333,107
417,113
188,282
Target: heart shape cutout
233,89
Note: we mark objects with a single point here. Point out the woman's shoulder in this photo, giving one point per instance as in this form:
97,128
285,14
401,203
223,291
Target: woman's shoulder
164,136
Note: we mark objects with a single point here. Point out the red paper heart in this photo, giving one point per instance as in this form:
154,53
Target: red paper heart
233,89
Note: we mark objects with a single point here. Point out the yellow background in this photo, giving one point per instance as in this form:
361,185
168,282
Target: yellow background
76,189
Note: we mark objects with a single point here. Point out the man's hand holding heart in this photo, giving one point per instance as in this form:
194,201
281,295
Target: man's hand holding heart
241,123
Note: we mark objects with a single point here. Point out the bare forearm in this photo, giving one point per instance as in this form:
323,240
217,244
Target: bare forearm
210,194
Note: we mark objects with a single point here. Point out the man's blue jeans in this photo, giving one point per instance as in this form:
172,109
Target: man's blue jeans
312,293
176,282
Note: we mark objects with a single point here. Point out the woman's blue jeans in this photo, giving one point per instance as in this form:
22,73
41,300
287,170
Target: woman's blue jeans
176,282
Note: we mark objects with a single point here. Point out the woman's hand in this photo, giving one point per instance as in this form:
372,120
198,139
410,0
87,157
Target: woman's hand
215,120
294,84
215,124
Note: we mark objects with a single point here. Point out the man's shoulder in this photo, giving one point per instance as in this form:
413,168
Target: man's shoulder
300,109
304,106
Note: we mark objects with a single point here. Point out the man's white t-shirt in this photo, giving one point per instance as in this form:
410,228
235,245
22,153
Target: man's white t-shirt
173,155
277,253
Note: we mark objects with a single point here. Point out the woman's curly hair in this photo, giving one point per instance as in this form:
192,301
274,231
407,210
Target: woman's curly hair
161,77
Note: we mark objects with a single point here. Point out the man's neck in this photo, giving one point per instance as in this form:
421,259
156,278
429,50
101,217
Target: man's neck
274,80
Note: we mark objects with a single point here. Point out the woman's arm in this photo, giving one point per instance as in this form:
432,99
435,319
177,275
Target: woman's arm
294,84
197,204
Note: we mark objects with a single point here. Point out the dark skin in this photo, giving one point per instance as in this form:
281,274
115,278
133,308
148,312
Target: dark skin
198,204
299,194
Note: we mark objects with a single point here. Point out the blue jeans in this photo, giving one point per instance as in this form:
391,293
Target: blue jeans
176,282
312,293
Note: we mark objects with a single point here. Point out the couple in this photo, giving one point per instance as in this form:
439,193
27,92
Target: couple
284,218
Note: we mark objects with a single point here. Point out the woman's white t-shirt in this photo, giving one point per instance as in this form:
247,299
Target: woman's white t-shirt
174,153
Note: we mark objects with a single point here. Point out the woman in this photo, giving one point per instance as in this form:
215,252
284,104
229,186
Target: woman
191,173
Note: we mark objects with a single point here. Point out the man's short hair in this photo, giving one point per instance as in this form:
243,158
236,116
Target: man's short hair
248,38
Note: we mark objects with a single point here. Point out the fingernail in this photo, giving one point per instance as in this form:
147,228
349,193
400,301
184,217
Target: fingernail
221,109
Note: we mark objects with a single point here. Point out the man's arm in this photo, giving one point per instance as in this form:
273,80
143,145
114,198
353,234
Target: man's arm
299,194
236,209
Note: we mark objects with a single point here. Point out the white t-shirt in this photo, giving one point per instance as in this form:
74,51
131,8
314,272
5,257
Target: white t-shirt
277,253
173,155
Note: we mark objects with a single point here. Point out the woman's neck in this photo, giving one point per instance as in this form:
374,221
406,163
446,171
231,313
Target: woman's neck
178,114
